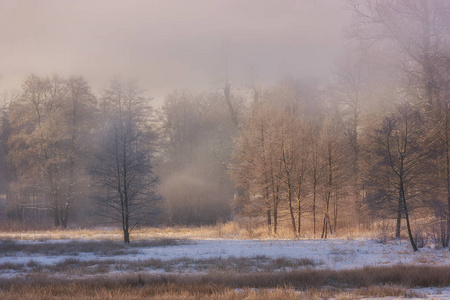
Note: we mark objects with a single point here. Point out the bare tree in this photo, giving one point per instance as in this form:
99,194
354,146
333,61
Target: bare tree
124,163
416,28
7,175
46,122
336,165
404,164
417,33
257,168
80,109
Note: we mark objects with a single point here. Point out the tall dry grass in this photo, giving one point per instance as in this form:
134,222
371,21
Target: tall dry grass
74,267
229,230
304,284
11,247
221,294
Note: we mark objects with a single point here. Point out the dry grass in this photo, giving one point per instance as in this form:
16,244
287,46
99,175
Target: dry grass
406,276
242,229
74,267
229,230
257,277
209,292
58,234
10,247
305,284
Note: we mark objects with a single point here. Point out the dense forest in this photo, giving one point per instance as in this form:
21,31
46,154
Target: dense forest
368,147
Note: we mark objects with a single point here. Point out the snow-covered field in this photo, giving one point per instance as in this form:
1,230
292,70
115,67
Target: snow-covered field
334,254
21,257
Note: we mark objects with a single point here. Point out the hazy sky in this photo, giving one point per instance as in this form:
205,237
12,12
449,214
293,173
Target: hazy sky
169,44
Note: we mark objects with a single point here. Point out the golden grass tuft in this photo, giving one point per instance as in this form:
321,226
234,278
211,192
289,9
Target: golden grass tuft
182,287
228,230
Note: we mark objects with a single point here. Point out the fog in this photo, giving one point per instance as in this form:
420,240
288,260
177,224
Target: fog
275,114
169,44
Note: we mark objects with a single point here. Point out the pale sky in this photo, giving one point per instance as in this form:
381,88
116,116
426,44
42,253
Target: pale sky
169,44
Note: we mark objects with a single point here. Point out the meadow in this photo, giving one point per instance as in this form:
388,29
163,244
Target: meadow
216,262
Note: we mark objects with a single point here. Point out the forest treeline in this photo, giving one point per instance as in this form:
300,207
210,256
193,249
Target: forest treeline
368,145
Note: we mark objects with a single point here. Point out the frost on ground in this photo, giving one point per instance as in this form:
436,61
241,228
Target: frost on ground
80,258
425,293
329,254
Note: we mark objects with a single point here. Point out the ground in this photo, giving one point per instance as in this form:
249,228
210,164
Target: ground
346,265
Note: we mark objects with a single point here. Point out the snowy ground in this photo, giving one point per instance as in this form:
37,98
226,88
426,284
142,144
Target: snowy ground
334,254
425,293
22,257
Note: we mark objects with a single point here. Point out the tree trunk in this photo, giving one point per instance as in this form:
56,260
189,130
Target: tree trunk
408,226
299,213
56,217
126,236
64,217
335,212
315,163
54,196
402,196
399,218
56,209
275,211
327,222
291,211
266,181
227,95
447,239
314,202
268,208
324,228
275,193
299,199
20,213
70,192
66,207
446,236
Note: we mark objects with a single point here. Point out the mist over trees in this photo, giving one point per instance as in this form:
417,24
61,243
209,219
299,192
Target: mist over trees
197,145
123,165
367,148
47,125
